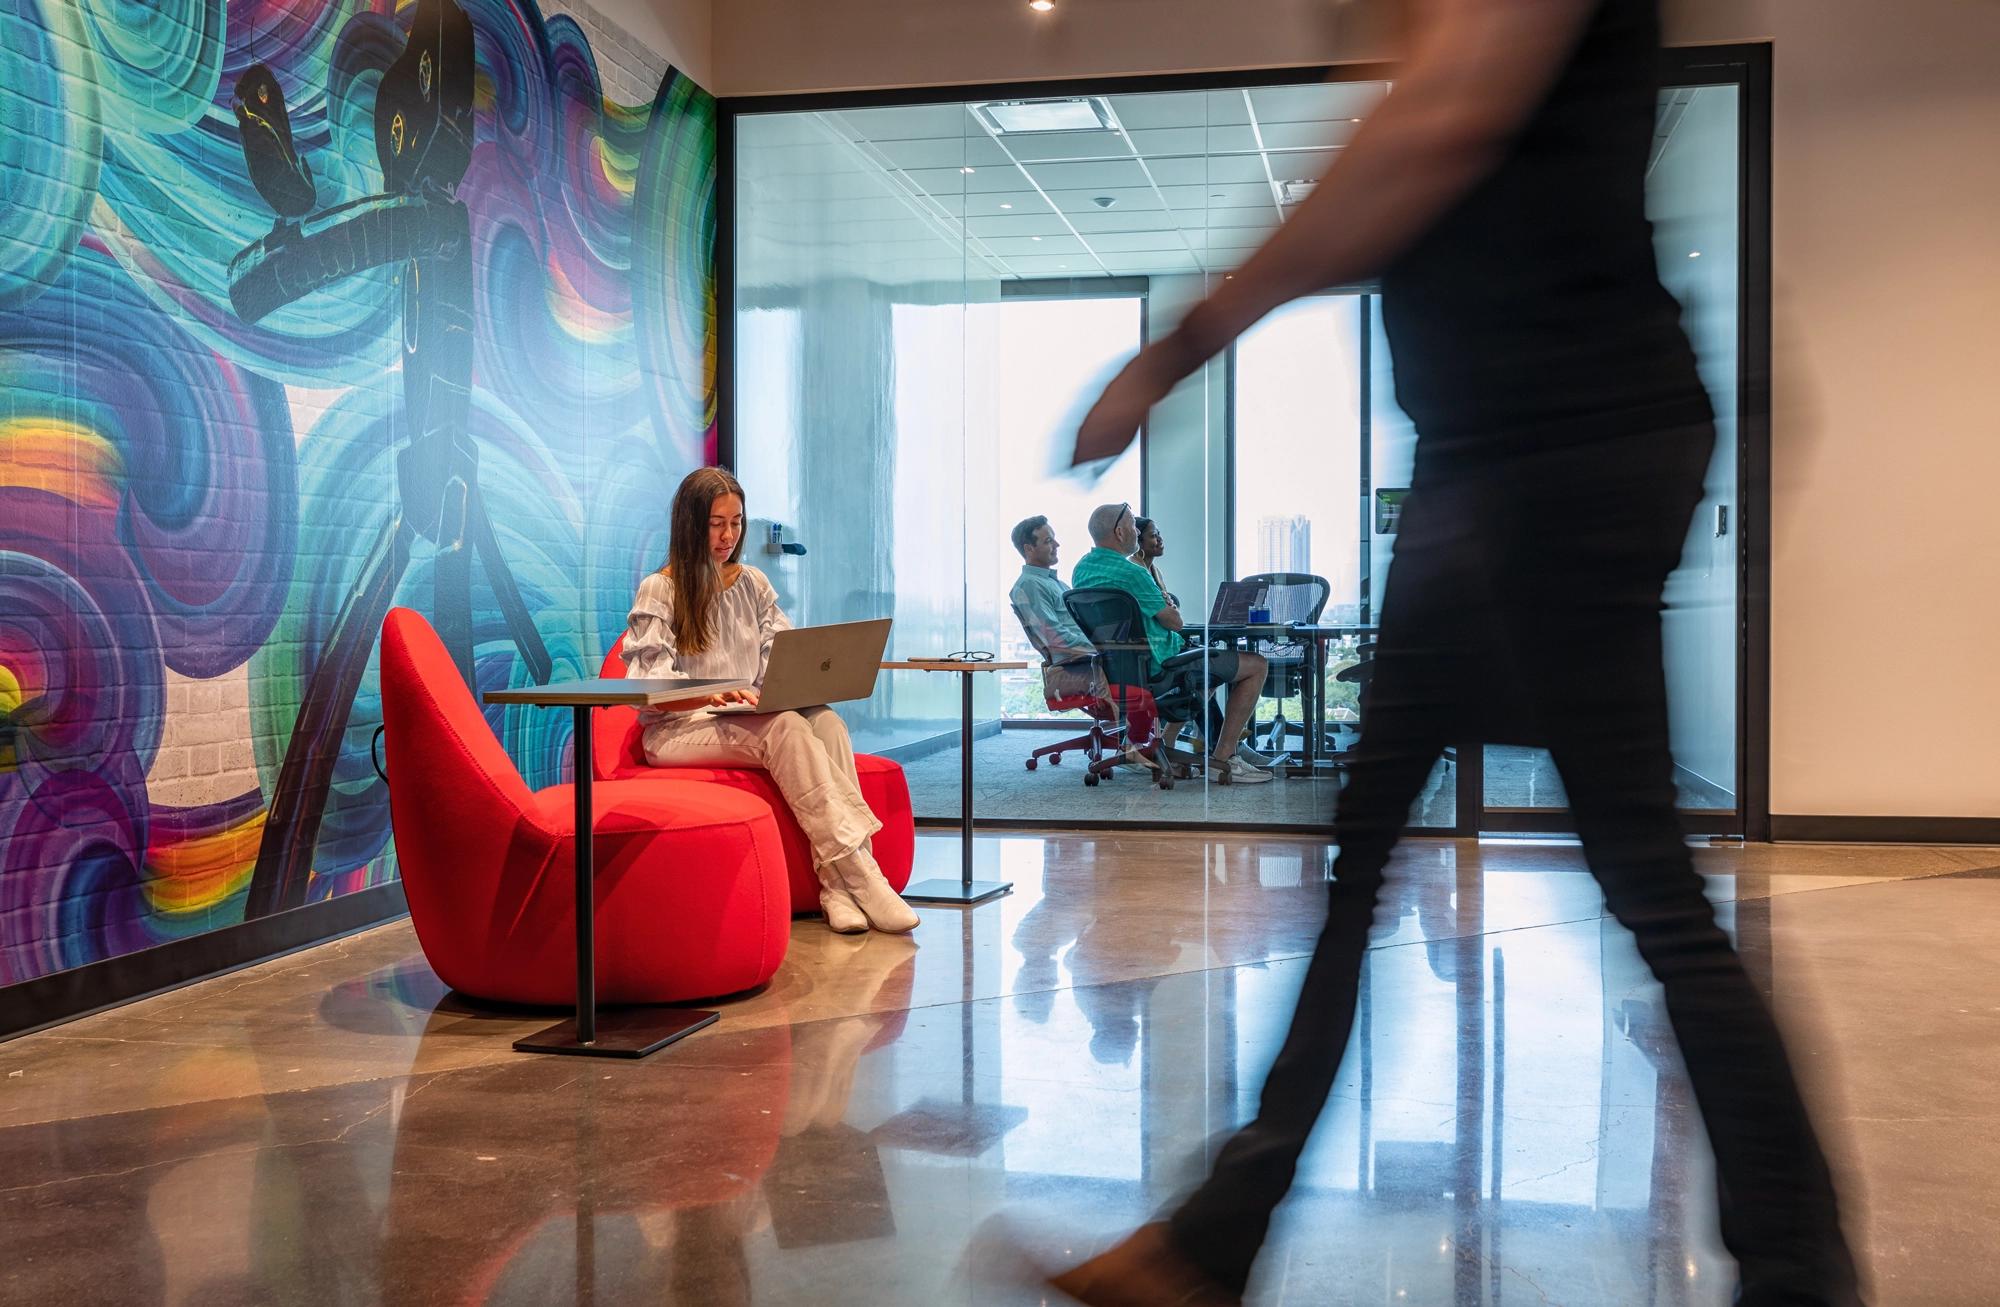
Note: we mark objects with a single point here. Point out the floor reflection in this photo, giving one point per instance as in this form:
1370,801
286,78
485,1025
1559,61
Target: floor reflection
1513,1126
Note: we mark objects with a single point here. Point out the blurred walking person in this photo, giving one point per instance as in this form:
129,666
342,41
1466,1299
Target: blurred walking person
1499,195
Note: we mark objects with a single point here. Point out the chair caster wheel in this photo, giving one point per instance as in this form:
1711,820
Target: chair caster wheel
1031,764
1055,760
1090,779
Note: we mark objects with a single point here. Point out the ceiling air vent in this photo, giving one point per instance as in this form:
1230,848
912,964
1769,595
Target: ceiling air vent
1089,113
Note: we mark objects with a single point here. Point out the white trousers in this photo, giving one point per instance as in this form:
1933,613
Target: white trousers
807,753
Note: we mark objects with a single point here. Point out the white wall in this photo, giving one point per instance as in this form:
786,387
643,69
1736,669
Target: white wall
1886,430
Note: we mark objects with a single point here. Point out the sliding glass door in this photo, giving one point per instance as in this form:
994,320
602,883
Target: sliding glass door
1694,198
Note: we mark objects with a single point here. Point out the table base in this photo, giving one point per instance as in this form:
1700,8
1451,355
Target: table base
621,1032
956,892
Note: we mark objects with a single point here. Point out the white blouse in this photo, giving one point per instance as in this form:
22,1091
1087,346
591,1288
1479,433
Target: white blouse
747,618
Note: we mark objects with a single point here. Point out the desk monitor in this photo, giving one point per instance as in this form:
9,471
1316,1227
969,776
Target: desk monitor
1389,510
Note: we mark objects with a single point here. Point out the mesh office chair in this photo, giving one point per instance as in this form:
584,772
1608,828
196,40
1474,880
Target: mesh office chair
1066,687
1291,597
1112,621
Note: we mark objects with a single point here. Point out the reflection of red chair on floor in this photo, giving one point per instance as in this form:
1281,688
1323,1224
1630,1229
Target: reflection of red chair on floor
636,1156
691,896
615,737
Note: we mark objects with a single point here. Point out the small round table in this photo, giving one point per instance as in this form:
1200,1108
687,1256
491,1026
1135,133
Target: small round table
965,891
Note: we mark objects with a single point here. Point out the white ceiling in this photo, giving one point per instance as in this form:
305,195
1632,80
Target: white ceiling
926,192
1194,178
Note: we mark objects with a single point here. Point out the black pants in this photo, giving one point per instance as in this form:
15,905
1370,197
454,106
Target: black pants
1524,605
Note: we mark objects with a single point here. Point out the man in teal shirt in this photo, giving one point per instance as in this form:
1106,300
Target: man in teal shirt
1109,566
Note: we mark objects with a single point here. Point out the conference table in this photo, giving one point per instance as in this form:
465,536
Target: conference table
1315,637
624,1032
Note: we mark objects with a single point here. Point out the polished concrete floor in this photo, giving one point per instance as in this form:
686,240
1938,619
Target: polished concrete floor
1513,1127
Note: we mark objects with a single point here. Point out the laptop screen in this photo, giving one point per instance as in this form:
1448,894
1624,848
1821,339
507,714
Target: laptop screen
1234,600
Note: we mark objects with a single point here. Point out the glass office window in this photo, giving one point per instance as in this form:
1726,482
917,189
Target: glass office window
1297,467
1054,356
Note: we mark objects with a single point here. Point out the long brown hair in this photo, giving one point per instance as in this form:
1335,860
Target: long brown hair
696,579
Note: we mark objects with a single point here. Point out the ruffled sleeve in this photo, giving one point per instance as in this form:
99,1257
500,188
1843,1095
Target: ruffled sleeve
649,631
771,619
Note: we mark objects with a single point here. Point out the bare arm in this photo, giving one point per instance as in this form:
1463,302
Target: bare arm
1477,72
1170,617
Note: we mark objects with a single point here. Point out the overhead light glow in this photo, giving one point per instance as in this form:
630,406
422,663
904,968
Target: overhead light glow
1041,6
968,170
1006,206
1695,255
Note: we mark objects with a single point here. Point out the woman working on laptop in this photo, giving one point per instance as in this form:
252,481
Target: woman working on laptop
707,614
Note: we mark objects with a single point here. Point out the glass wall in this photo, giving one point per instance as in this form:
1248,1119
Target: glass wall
928,297
1694,200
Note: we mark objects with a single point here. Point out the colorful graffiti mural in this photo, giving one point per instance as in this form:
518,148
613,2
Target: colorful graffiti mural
307,308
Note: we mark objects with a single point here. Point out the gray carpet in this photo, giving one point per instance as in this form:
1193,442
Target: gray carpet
1003,788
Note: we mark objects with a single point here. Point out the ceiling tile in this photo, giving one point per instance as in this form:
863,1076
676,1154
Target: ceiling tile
1044,223
1240,196
1161,110
1123,220
922,154
908,122
1176,140
1226,107
1325,102
1139,265
1178,172
1038,147
1043,265
1290,165
1129,199
1130,242
1232,140
1307,136
987,204
1100,177
1011,247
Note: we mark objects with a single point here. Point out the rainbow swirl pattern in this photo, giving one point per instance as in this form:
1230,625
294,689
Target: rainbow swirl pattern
187,498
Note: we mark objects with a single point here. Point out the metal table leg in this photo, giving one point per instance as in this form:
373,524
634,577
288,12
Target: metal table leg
965,891
627,1032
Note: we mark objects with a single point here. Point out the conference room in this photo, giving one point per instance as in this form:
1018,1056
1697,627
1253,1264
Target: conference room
922,297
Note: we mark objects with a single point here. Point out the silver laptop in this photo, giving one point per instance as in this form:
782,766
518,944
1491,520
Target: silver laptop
815,665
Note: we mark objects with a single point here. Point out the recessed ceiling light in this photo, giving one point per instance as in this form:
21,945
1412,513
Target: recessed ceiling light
1695,255
1006,206
968,170
1041,6
1296,191
1104,201
1034,238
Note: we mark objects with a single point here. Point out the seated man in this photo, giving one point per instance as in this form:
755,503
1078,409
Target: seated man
1110,566
1037,596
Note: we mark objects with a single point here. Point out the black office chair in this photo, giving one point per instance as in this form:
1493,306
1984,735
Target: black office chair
1075,686
1291,597
1112,621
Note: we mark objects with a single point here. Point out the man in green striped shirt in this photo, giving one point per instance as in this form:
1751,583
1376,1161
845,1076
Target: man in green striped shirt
1109,566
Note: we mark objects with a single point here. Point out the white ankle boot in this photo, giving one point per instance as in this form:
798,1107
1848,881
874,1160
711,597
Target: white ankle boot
843,914
883,907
